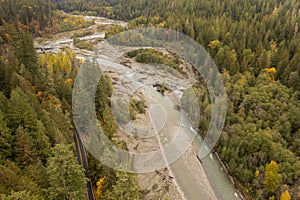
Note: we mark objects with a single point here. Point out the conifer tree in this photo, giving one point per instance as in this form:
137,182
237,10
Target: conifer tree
24,150
25,52
125,188
5,139
66,178
21,195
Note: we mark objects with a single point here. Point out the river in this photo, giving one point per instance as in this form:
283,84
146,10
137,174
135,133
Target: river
195,180
184,169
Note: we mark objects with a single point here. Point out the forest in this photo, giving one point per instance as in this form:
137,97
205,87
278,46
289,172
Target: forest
37,159
255,44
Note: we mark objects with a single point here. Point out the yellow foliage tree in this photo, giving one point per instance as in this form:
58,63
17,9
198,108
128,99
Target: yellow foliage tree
51,98
271,71
99,192
69,81
272,177
81,60
67,52
215,44
43,60
66,64
72,57
285,195
66,20
50,71
256,173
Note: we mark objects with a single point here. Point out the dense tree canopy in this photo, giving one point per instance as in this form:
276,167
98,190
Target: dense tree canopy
255,44
241,35
35,96
66,179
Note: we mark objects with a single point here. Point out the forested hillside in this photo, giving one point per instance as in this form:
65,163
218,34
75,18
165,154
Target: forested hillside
255,44
37,157
37,17
262,128
240,35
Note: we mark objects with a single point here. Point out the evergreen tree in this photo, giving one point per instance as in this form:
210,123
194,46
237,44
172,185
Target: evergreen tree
125,188
25,152
21,195
20,112
13,179
25,52
5,139
66,178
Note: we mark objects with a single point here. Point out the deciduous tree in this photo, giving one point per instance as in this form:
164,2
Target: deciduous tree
285,195
272,177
